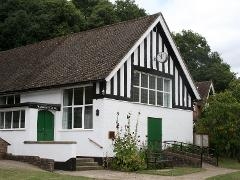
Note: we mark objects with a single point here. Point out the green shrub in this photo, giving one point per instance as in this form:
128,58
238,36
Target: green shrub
128,155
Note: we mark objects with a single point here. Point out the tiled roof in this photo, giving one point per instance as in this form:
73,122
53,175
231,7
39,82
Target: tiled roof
203,88
85,56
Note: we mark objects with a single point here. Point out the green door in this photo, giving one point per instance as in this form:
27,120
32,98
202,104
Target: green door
155,133
45,126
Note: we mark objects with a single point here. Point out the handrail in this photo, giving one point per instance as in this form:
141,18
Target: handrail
95,143
193,149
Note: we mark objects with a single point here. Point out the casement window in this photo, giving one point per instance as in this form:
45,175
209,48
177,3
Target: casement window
78,108
13,99
12,119
151,89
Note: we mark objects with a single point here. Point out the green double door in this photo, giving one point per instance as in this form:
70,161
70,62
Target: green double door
45,126
155,133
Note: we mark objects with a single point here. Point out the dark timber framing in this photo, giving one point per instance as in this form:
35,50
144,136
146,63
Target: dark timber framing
143,64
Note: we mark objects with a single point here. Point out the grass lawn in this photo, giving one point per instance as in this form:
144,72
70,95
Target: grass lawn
229,163
20,174
176,171
230,176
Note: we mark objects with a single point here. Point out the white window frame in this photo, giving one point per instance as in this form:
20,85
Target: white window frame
76,106
155,90
19,119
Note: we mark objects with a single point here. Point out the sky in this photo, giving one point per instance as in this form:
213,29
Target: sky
216,20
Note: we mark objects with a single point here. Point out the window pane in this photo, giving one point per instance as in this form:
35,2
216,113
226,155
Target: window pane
10,100
1,120
16,119
88,117
166,85
78,117
144,80
78,96
136,79
159,84
67,118
88,95
67,97
160,98
152,84
8,119
144,96
2,100
152,97
22,125
167,100
17,99
135,94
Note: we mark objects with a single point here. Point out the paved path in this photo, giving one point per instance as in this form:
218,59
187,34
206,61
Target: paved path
114,175
106,174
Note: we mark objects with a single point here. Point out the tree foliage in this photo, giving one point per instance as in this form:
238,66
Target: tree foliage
221,120
127,9
28,21
202,63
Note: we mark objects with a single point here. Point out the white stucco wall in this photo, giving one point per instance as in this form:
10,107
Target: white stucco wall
176,125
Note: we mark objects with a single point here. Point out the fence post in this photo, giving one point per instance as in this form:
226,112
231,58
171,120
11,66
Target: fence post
201,157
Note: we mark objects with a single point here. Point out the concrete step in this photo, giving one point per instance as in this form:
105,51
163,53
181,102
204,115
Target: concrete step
85,160
83,163
85,168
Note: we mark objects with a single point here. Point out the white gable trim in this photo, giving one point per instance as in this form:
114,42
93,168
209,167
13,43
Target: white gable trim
167,32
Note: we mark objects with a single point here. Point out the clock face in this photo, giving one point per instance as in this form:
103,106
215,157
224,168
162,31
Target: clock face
162,57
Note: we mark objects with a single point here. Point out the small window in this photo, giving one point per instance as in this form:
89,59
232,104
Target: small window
67,97
78,96
16,119
152,97
144,80
8,120
135,94
160,84
136,79
160,98
88,116
144,96
3,100
22,125
152,82
78,117
89,95
1,120
67,118
10,100
17,99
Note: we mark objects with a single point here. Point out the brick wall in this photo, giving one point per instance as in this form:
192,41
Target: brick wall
46,164
182,160
3,148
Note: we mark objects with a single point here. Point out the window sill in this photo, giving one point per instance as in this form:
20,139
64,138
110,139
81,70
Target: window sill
75,130
13,129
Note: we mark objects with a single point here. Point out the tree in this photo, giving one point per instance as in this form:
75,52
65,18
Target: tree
27,21
221,120
102,14
202,63
127,9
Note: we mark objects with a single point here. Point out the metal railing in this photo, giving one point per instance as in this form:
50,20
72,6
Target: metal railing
206,154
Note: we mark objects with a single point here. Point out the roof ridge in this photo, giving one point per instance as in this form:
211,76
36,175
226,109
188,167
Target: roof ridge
81,32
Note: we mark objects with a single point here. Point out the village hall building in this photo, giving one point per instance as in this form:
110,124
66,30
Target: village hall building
59,98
